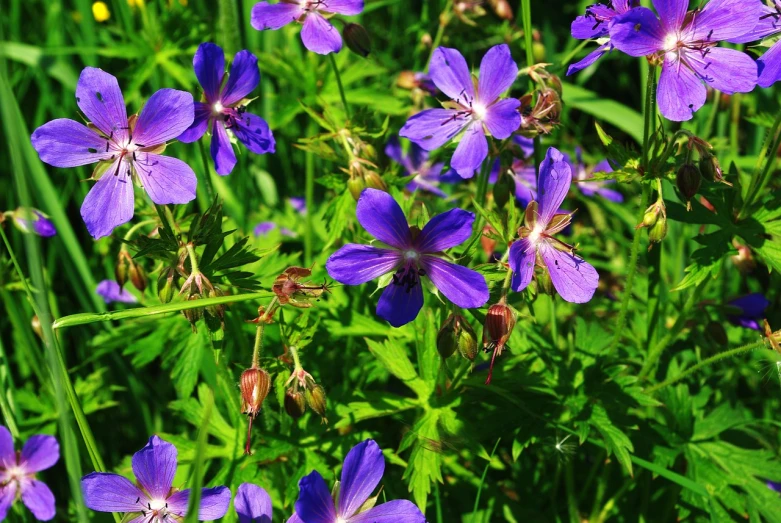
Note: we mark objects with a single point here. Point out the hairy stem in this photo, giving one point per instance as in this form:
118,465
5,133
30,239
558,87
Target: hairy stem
339,84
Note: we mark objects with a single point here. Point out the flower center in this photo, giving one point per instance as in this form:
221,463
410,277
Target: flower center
478,111
534,237
672,42
411,255
217,108
15,473
157,511
340,520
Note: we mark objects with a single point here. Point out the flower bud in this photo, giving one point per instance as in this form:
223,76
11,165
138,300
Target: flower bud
651,216
356,186
503,187
357,39
710,168
456,333
254,384
137,276
374,181
538,51
658,231
32,221
165,285
499,324
688,180
195,314
502,9
315,398
122,267
295,404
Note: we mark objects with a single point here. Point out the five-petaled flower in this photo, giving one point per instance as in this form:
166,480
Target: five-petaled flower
252,504
154,500
225,104
17,474
595,24
769,64
412,255
748,310
427,174
127,149
686,42
474,107
574,279
361,473
318,34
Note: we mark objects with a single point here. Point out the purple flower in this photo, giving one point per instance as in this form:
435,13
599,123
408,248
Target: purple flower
582,174
152,499
112,292
751,309
769,65
33,221
127,149
411,257
687,45
472,111
594,25
298,203
772,485
361,473
318,34
252,504
225,106
574,279
263,228
416,162
17,474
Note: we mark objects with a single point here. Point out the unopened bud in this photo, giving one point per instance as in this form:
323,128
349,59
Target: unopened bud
316,399
35,323
356,186
658,231
254,384
357,39
499,324
194,314
457,334
538,51
295,404
502,9
688,180
710,168
165,285
137,276
374,181
122,267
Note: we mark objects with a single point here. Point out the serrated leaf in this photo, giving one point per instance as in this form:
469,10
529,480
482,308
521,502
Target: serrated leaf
393,356
615,440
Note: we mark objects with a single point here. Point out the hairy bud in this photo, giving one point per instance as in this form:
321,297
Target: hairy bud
374,181
357,39
254,384
457,334
710,168
165,285
137,277
658,230
316,399
295,404
688,180
499,324
356,186
122,267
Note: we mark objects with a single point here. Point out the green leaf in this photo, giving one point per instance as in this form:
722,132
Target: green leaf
616,441
619,115
425,462
394,358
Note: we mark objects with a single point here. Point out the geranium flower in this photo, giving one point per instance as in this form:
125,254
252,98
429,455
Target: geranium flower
18,470
263,228
574,279
769,24
318,34
594,25
127,149
361,473
473,110
32,221
751,309
411,255
252,504
416,162
154,500
225,104
686,42
111,291
590,188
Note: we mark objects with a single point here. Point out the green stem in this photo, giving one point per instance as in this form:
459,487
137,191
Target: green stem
649,115
258,344
704,363
297,368
206,195
630,277
309,196
482,182
339,84
482,479
526,18
554,327
656,352
130,232
768,156
89,317
444,19
193,258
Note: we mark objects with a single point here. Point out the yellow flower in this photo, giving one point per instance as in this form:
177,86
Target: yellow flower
100,11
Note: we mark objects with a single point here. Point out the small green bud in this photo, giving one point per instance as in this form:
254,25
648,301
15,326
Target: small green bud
688,180
651,216
710,168
165,285
538,50
122,267
357,39
295,404
137,276
316,399
356,186
374,181
457,334
658,231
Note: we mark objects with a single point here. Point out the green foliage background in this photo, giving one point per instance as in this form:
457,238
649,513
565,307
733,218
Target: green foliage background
579,424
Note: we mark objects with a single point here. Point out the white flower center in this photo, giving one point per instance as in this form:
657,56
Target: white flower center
14,473
217,108
409,255
340,520
671,42
478,111
534,237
